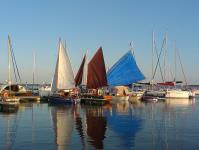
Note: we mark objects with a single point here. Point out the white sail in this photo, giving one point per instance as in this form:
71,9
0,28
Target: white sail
63,77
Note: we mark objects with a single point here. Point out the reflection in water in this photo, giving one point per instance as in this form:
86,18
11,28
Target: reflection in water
63,125
96,126
10,123
172,124
123,125
180,102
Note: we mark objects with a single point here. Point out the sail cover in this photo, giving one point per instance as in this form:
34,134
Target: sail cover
63,77
78,78
96,77
125,71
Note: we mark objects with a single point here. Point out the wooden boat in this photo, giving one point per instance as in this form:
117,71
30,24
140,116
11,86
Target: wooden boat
93,78
9,104
136,95
120,93
19,92
8,101
63,86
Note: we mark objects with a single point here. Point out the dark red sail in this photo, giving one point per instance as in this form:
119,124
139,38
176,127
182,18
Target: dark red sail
78,78
96,77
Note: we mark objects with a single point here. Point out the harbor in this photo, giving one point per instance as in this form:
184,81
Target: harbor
99,75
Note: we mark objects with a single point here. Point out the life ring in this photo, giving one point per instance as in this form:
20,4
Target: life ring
5,94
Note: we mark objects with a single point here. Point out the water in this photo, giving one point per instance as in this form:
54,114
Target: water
163,125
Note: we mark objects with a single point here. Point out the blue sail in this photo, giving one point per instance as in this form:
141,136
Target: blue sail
125,71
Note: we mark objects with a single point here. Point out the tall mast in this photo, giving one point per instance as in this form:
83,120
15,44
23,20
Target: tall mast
152,55
165,54
9,66
33,73
175,61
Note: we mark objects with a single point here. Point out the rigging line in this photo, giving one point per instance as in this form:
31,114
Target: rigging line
158,61
16,65
13,63
182,67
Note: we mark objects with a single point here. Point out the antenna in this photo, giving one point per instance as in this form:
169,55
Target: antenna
131,48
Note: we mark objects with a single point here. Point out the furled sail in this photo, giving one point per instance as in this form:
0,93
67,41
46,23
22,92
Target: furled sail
125,71
96,77
63,77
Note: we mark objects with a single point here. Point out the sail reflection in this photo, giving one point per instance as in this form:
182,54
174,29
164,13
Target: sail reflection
123,124
96,126
62,118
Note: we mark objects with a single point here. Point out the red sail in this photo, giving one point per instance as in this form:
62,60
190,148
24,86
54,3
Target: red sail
96,77
78,78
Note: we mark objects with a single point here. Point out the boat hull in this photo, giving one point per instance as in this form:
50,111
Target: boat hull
177,94
149,99
96,100
9,106
59,100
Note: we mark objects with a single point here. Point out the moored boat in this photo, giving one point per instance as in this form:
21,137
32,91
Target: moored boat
146,98
177,93
123,73
63,89
92,78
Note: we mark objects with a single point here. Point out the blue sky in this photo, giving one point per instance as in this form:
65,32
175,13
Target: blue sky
37,25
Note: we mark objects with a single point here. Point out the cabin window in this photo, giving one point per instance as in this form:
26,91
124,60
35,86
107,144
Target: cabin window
14,88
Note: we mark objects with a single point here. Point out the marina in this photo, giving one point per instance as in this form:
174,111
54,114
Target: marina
99,75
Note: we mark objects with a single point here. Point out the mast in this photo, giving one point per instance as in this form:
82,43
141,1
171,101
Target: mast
34,65
152,55
9,66
165,54
175,67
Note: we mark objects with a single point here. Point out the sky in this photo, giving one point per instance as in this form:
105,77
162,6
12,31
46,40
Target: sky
36,26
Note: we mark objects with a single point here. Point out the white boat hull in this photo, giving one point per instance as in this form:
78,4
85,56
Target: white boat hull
177,94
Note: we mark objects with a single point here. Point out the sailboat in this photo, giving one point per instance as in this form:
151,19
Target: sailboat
122,74
179,93
8,102
63,87
93,77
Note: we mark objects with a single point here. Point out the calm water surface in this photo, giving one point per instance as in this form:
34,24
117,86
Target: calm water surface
172,124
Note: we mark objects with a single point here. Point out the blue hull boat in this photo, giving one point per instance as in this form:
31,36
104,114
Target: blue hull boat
60,100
